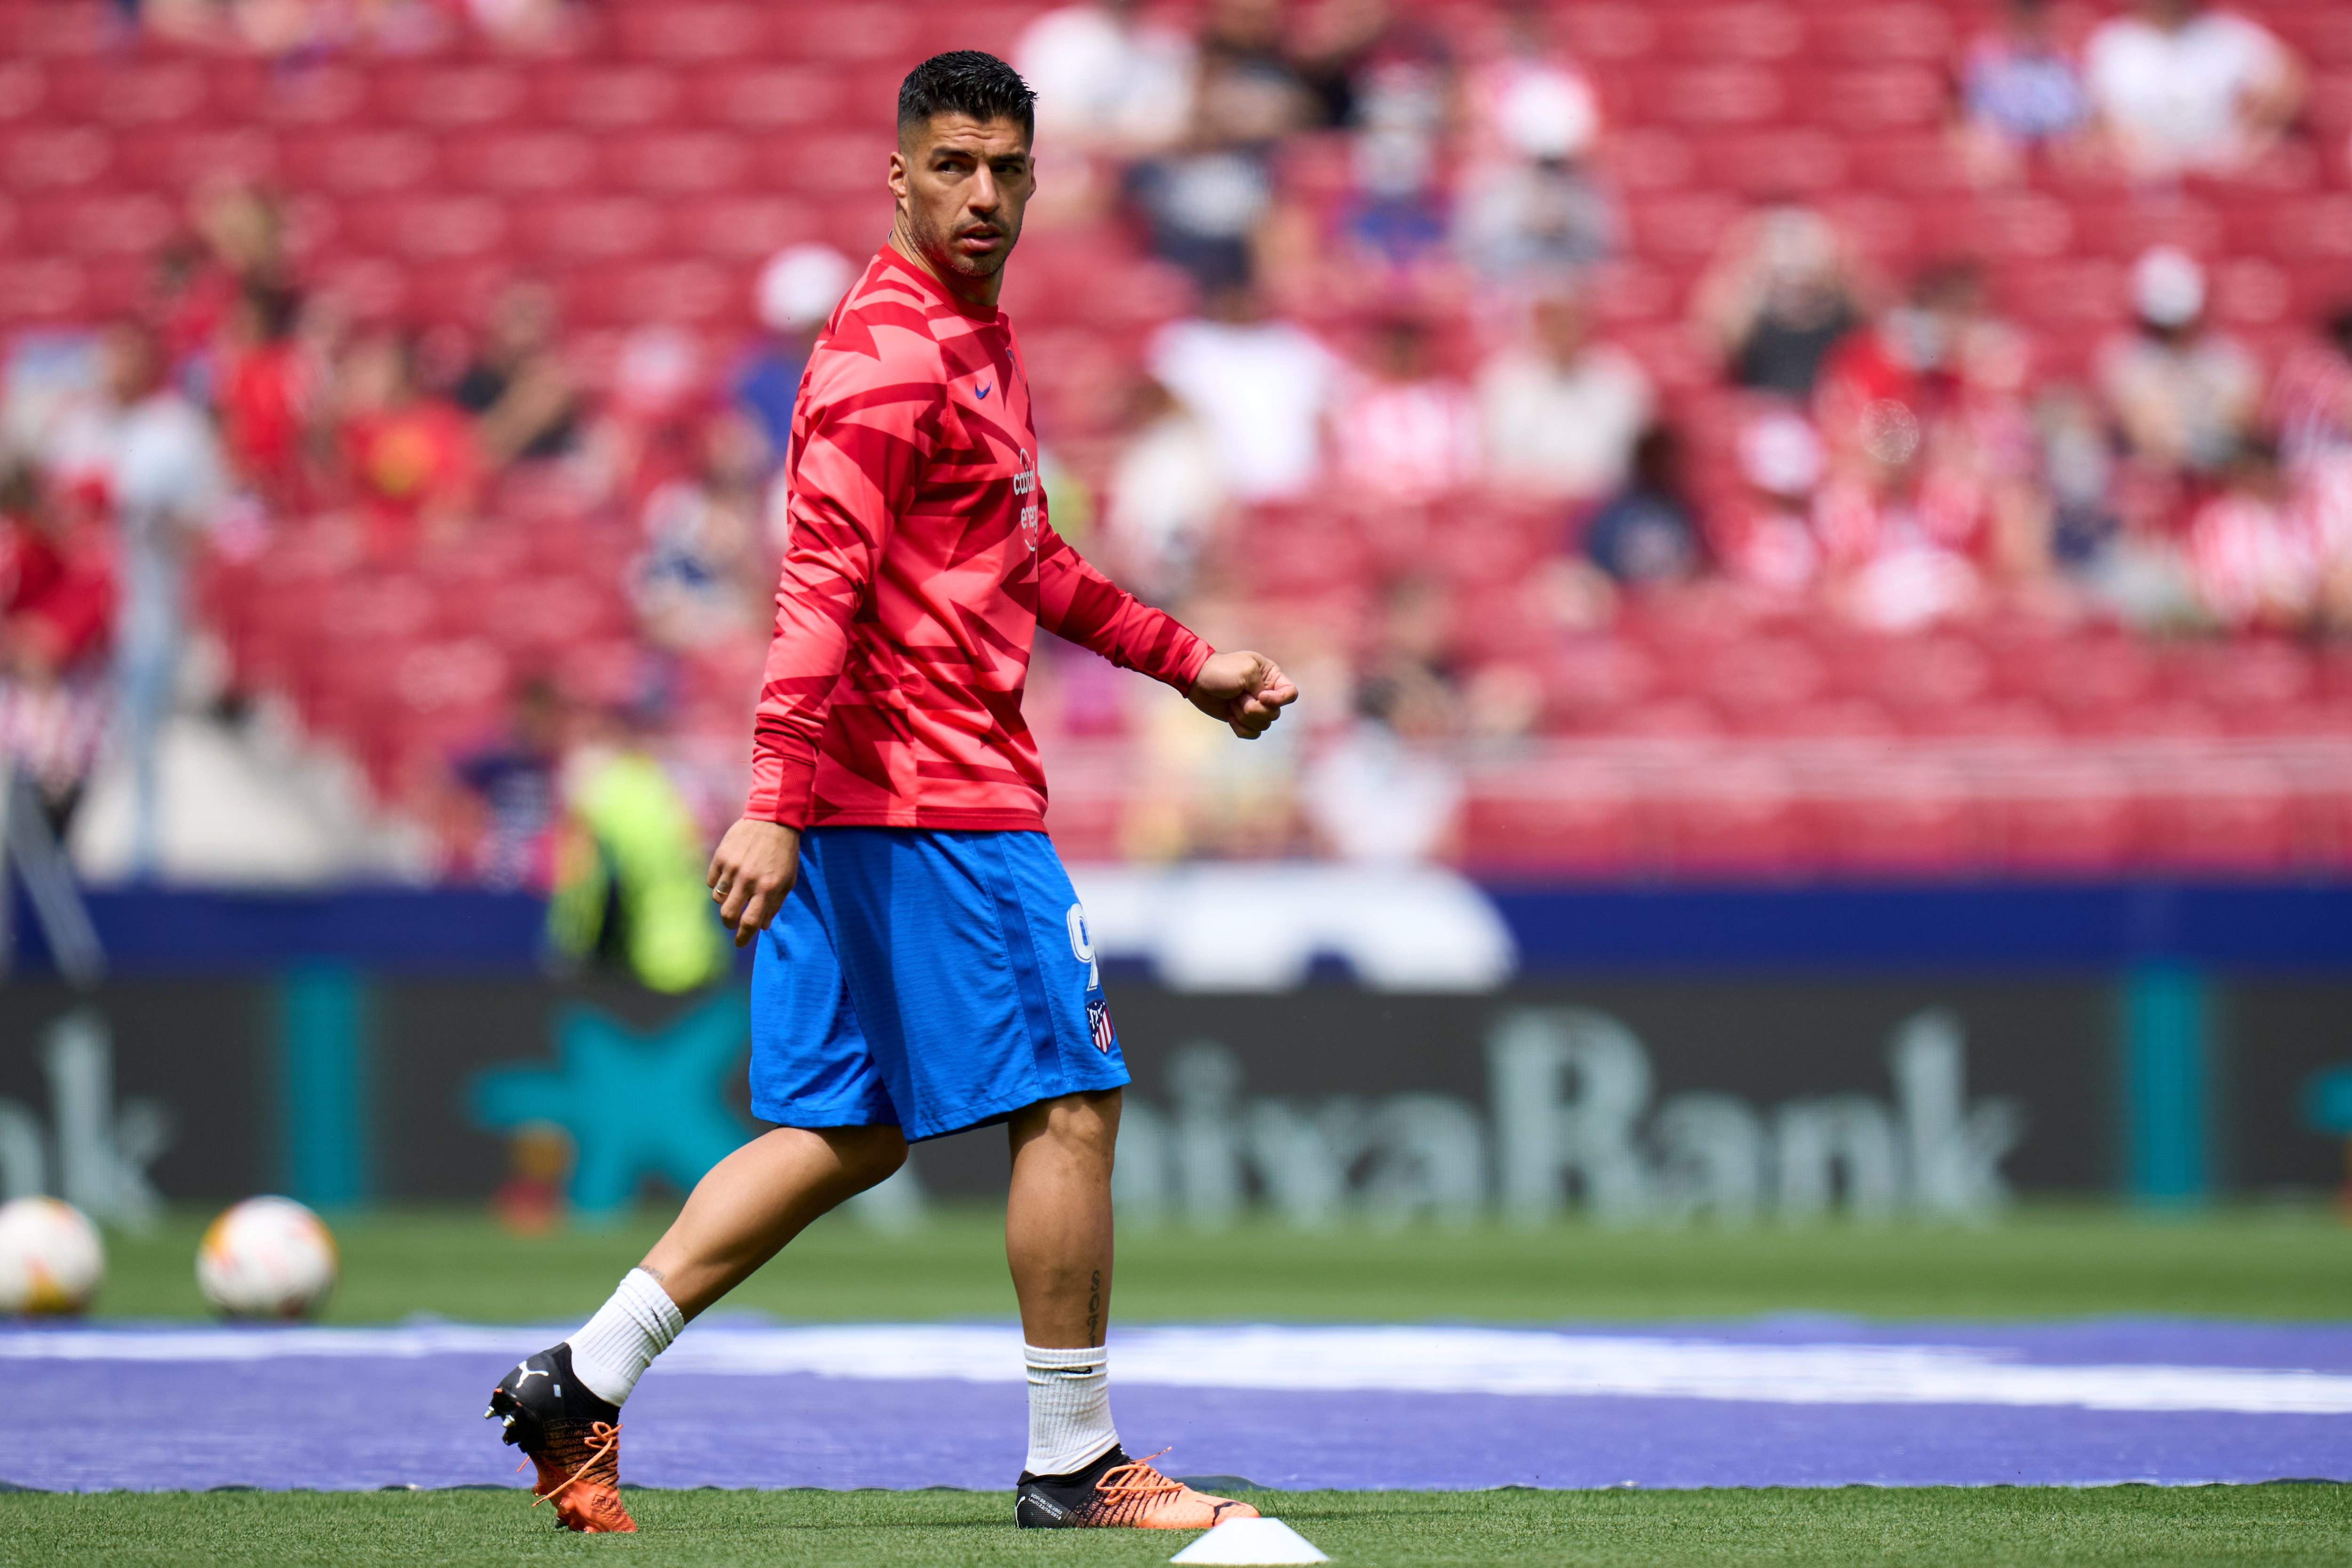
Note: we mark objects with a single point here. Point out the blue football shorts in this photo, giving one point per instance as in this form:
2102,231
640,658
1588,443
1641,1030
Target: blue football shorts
928,978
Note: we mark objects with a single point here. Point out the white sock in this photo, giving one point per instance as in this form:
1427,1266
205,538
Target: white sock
621,1340
1069,1410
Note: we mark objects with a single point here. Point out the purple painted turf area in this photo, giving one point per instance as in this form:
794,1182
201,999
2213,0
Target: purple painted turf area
99,1409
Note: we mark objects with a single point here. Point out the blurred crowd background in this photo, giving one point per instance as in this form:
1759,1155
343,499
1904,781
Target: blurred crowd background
1682,439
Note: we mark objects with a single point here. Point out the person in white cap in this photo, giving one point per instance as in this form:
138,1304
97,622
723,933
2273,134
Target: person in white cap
2182,393
796,293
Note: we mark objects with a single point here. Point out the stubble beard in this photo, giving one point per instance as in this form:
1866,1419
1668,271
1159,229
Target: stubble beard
938,249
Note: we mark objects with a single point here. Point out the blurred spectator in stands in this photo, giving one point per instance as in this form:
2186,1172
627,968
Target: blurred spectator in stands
1195,797
1382,794
1110,84
1527,99
798,288
1388,82
629,893
1167,491
2183,394
415,467
704,576
1394,227
522,400
516,24
1203,201
1263,389
1646,534
1903,518
2183,89
1767,541
1527,203
2078,466
1541,217
268,393
532,1201
2251,553
1404,433
1780,292
2311,399
235,244
244,232
514,786
648,430
189,301
56,600
1942,365
1935,469
144,456
2310,408
1560,413
2021,93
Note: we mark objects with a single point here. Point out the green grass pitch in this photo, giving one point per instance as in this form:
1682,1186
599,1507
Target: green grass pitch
2044,1262
2142,1526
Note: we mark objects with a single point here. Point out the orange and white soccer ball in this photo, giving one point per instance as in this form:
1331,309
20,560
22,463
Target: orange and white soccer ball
266,1258
52,1259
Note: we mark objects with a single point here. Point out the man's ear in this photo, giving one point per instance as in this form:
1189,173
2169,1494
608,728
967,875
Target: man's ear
897,173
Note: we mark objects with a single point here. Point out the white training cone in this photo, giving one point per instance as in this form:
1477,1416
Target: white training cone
1251,1540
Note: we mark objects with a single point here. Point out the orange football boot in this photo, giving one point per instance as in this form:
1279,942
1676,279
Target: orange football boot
1115,1492
575,1438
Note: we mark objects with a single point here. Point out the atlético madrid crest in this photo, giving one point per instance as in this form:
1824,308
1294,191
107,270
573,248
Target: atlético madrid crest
1099,1026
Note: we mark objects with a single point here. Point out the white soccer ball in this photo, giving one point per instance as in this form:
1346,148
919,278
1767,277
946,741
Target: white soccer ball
52,1259
266,1258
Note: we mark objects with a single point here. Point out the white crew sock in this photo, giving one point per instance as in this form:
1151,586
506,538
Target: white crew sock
1069,1410
621,1340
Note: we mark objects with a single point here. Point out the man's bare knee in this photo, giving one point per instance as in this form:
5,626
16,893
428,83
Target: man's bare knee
1084,1126
868,1155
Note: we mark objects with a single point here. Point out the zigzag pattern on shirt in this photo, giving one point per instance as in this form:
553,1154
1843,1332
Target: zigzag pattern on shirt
911,593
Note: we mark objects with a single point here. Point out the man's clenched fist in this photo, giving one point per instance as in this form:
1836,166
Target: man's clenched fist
1247,690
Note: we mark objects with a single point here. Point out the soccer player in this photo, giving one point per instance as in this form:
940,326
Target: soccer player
923,966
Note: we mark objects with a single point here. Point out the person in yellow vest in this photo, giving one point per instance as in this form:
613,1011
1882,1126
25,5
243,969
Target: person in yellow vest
629,892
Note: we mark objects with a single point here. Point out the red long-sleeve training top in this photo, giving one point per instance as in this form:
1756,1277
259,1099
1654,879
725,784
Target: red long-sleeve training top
919,566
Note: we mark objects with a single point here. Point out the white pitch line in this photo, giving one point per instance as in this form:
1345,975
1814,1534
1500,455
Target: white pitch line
1515,1362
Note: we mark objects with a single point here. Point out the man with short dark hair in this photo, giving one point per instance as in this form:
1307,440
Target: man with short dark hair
934,972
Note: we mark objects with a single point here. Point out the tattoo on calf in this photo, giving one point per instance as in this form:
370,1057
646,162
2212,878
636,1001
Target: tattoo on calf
1094,1308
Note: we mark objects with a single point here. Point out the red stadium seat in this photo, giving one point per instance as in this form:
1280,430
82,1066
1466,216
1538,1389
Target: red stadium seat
325,95
2221,817
1916,821
2067,822
1535,827
127,94
1761,30
608,97
363,162
1610,31
452,96
671,163
1873,100
594,229
1735,820
1876,34
534,160
1777,163
760,99
697,33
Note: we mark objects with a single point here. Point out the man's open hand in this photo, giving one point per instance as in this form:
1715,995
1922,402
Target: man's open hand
752,874
1247,690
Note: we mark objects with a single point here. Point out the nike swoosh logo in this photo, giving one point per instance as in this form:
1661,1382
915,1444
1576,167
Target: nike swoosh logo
986,387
